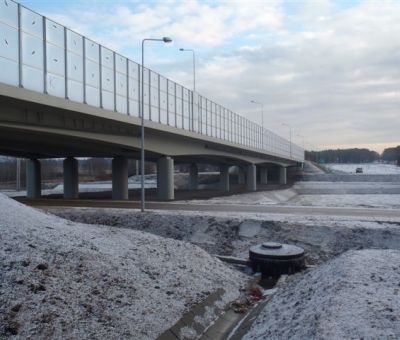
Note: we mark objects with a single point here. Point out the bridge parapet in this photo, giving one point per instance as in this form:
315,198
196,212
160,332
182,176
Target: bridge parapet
38,54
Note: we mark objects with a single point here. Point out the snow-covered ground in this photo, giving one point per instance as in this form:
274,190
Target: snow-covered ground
64,280
374,168
133,279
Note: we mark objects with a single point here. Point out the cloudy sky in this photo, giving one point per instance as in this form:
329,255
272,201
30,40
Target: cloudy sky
329,69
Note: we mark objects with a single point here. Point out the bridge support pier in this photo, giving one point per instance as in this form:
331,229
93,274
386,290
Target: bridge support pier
165,178
71,182
33,179
193,177
241,175
119,178
263,176
224,177
282,176
251,184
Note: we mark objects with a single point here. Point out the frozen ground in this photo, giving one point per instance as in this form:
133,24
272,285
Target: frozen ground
374,168
351,293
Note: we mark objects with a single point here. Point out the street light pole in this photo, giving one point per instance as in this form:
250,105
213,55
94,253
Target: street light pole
194,66
262,119
290,138
142,198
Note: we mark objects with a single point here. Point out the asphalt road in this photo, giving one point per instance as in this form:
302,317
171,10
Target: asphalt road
375,214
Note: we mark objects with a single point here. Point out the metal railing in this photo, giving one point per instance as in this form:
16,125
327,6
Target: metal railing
40,55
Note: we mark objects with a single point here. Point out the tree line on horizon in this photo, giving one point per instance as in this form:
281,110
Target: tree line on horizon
354,155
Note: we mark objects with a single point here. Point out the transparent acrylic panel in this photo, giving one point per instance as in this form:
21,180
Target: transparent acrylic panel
163,84
74,43
195,112
55,33
9,72
146,94
154,105
121,64
186,94
32,78
163,101
92,51
107,58
146,111
171,103
133,70
154,79
107,79
154,114
75,91
134,89
121,84
163,117
92,96
122,105
186,124
178,91
134,108
186,109
9,12
55,85
32,51
55,60
203,128
8,42
171,88
179,121
75,66
146,76
171,119
107,100
31,22
179,107
92,74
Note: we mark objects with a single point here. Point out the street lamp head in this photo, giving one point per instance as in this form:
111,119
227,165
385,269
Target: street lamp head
167,40
181,49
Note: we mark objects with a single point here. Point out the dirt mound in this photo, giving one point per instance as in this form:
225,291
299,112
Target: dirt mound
355,296
63,280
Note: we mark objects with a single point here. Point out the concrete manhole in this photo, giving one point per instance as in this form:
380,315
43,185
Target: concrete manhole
274,259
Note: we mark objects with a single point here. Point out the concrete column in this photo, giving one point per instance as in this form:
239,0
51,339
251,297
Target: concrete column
165,178
71,182
282,176
193,177
119,178
33,179
263,176
241,175
251,184
224,177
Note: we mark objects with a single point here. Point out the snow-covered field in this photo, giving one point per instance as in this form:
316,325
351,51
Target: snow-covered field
374,168
133,279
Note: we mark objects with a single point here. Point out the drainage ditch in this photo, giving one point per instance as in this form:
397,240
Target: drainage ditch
271,263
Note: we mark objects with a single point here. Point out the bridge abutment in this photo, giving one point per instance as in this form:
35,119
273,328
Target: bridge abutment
33,179
165,179
251,183
120,178
71,178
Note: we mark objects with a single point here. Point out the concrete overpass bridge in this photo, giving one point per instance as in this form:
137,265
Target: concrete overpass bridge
63,95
